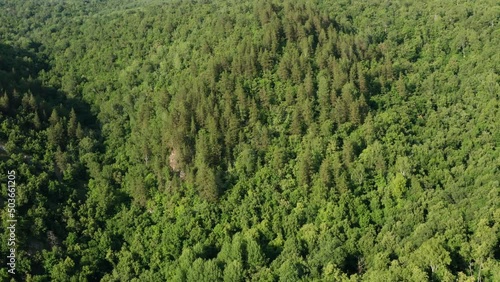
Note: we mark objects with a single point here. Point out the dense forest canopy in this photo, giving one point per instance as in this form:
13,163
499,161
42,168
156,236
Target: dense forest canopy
251,140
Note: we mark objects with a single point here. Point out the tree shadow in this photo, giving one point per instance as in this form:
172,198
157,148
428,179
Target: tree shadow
19,70
50,198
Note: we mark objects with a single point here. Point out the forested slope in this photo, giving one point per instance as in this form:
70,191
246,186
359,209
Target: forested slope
254,141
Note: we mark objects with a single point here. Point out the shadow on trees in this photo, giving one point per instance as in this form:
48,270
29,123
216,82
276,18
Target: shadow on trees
23,95
19,69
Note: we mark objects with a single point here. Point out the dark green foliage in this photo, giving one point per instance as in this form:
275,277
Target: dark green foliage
252,141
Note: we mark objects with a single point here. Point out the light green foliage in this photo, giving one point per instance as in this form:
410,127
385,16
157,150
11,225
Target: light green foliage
252,140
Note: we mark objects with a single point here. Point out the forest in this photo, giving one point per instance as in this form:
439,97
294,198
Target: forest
225,140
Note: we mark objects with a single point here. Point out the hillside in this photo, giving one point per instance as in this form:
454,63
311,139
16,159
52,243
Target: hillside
251,141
